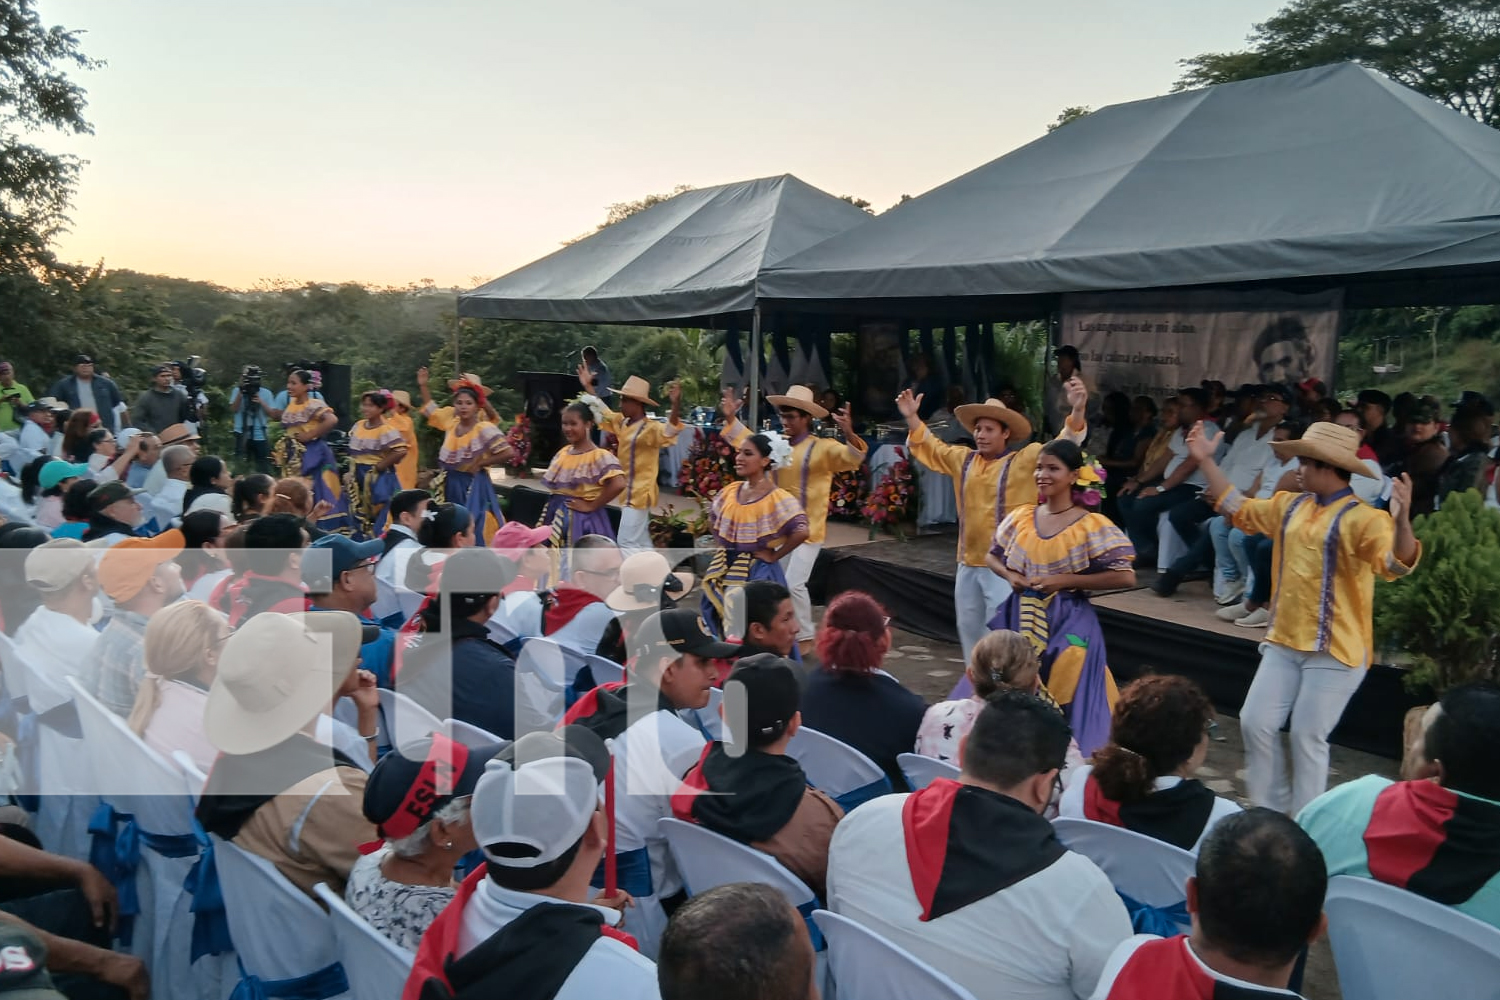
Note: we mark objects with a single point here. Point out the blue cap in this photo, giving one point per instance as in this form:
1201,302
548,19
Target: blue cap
343,554
55,472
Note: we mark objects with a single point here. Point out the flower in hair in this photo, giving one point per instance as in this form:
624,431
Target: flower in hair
429,514
595,404
781,449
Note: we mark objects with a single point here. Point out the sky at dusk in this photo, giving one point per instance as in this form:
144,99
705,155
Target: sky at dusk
455,140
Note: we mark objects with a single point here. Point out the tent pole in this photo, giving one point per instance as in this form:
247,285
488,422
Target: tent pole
755,356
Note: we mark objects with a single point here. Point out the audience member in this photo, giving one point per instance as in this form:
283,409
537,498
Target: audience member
147,456
181,657
741,941
1422,457
1256,903
1438,835
204,567
18,598
35,439
529,550
115,513
184,435
1373,486
525,916
1142,779
208,475
406,512
850,698
340,576
574,613
418,797
141,576
295,497
75,510
1373,407
57,639
770,620
251,496
13,396
275,791
87,390
272,580
968,861
53,479
1181,481
1468,446
1250,554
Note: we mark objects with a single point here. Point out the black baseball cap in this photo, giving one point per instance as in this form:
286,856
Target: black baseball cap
113,492
1373,396
411,785
1424,413
1474,402
84,359
770,694
684,631
23,965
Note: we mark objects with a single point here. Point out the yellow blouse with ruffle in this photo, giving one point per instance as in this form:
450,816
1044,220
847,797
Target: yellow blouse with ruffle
748,526
484,438
582,476
298,416
1092,544
368,447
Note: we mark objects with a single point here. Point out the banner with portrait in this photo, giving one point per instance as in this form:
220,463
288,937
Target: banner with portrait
1153,343
881,370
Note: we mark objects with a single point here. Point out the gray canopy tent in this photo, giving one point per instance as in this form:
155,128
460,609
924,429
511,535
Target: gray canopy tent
691,261
1334,176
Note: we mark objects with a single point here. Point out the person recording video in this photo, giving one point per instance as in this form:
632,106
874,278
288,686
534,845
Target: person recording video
254,408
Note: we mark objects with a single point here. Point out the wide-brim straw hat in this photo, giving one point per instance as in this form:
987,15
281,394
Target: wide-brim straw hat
799,397
993,409
638,389
1328,443
276,673
465,380
402,396
642,577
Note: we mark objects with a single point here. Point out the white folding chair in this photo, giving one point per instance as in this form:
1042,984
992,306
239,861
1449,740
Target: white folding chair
1391,944
1151,872
279,933
837,769
921,771
471,735
865,966
58,759
404,721
541,685
377,967
604,670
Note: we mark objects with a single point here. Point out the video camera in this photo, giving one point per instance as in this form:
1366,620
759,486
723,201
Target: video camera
250,384
193,381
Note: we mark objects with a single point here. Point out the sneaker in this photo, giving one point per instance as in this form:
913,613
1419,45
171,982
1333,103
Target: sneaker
1233,613
1258,618
1166,584
1234,592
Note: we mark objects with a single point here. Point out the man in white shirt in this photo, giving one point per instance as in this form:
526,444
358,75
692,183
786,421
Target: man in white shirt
1231,557
742,940
57,639
1142,508
1256,901
522,925
406,511
942,871
35,437
574,614
166,505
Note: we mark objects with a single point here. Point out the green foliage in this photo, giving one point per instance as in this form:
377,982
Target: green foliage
1021,360
863,203
1446,49
1444,615
1067,115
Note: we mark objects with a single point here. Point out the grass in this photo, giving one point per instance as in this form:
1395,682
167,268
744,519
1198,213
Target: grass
1470,364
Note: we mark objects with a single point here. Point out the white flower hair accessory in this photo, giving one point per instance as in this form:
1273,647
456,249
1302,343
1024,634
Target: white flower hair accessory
781,449
595,404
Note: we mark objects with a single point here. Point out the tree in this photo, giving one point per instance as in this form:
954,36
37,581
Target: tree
856,202
622,210
1446,49
1068,115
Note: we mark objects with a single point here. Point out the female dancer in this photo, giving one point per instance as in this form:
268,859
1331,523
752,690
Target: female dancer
376,447
304,452
1052,553
583,478
399,417
470,446
757,525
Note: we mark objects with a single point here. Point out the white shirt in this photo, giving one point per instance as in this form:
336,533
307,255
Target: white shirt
1177,445
167,504
1249,453
86,395
650,759
1127,948
32,443
609,968
1072,801
57,646
390,574
203,588
1271,473
1057,928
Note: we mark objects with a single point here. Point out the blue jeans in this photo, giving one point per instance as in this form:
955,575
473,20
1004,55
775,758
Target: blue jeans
1231,561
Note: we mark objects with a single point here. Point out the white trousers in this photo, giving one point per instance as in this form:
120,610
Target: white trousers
1314,689
798,568
635,531
977,593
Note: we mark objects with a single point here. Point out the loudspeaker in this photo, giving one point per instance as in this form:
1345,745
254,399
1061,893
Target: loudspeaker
547,393
337,388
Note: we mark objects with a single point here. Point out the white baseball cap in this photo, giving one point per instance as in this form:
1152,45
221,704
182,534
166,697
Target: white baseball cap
533,814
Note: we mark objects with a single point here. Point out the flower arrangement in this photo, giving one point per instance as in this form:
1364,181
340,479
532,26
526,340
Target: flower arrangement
1089,489
665,526
846,495
894,498
519,439
708,468
595,404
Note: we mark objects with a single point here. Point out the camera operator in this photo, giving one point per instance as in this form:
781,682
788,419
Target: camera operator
254,408
190,380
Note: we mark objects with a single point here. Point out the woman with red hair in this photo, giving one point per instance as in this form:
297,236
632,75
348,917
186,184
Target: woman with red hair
849,697
376,447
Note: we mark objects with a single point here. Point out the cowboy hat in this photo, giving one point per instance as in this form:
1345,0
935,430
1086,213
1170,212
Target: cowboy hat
799,397
642,578
993,409
1328,443
466,380
638,389
402,396
276,674
177,434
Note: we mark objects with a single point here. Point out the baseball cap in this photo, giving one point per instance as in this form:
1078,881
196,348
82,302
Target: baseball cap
53,566
1474,402
768,696
514,535
23,965
683,631
84,359
1425,413
1196,394
343,554
1374,396
108,493
532,813
411,785
158,369
1281,392
55,472
129,565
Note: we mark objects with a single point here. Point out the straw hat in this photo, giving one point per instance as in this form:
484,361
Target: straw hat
638,389
799,397
642,578
402,397
276,674
464,380
1328,443
993,409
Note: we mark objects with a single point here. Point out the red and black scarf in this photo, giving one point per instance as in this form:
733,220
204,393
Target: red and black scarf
1163,970
754,796
561,606
1175,815
964,843
1433,841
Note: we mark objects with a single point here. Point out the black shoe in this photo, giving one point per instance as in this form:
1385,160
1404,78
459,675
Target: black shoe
1166,585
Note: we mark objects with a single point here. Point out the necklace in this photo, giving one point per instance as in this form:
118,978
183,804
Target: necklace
1056,513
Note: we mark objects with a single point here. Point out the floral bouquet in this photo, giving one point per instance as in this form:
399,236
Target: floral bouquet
1089,490
708,468
846,496
519,439
894,498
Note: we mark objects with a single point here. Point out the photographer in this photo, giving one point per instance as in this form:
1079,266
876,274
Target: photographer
13,395
254,408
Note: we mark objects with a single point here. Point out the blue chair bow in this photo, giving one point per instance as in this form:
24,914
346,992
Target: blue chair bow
210,920
1163,921
329,981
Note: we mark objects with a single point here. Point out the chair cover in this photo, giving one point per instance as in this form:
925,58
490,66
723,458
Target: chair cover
837,769
865,966
377,967
541,686
403,721
921,771
1143,868
1391,944
1169,544
604,670
471,735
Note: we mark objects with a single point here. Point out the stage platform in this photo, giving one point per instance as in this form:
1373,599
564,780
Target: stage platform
1144,632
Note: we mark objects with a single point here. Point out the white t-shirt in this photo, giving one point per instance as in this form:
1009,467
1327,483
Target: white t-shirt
1072,801
167,504
57,646
1177,445
1249,453
1271,473
651,758
86,396
390,575
1058,927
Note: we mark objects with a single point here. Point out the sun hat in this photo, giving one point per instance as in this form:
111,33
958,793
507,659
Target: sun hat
638,389
515,536
532,813
642,578
402,396
276,673
993,409
55,472
177,434
54,565
1329,443
23,966
411,785
129,565
799,397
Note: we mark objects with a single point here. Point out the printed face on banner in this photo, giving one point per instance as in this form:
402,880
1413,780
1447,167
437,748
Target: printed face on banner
1152,343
